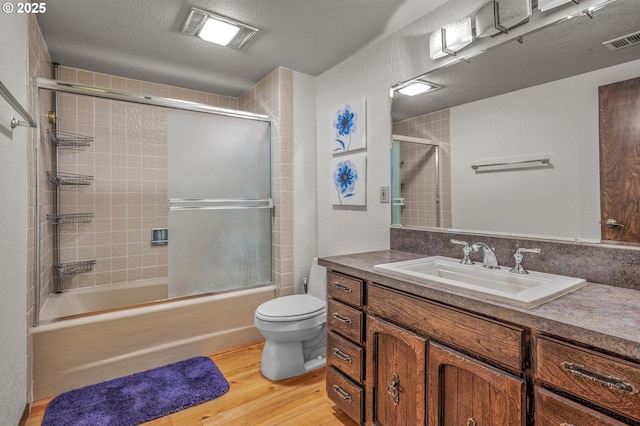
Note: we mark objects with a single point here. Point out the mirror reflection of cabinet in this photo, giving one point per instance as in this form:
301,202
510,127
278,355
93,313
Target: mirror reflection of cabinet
619,107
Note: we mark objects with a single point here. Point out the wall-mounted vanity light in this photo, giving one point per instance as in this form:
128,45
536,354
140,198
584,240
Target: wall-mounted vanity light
416,86
450,39
217,29
544,5
498,16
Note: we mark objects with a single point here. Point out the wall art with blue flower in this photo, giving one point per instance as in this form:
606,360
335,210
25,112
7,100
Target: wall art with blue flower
348,127
349,180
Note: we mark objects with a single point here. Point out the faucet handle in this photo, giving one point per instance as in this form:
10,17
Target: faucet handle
518,268
466,260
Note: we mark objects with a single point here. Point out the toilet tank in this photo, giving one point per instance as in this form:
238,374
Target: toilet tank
318,280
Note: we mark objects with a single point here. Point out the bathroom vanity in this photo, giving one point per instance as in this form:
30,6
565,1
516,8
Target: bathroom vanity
405,352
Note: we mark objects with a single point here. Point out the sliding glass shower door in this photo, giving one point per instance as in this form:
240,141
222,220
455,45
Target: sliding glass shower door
219,190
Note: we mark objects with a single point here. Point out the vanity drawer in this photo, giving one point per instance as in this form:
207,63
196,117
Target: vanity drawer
347,395
345,320
487,338
554,410
606,381
345,356
345,289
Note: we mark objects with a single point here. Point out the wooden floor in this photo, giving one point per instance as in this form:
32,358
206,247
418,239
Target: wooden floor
251,399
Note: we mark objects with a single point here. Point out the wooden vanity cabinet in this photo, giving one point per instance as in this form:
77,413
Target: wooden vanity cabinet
345,339
414,377
399,359
597,379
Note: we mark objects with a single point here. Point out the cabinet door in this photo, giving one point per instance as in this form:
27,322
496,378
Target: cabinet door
396,362
466,392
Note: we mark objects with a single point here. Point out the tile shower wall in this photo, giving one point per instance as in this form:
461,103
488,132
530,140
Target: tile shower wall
273,96
417,170
39,65
127,193
128,159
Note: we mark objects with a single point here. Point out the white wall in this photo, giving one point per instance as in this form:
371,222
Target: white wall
368,74
13,217
557,119
304,177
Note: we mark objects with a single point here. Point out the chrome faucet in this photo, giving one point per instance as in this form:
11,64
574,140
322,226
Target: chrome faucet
518,268
489,260
465,250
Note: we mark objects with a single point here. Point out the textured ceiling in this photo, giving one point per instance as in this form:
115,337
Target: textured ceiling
562,50
141,38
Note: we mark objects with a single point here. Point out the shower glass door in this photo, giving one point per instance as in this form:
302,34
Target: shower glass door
219,191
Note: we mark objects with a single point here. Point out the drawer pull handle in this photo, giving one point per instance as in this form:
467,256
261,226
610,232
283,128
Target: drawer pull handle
565,424
609,381
342,287
394,389
341,355
342,393
342,318
471,422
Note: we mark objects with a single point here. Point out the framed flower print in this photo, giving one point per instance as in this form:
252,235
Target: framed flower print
349,180
348,127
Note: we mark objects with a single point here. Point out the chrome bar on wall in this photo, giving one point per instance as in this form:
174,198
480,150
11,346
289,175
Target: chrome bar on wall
11,100
100,92
175,204
513,164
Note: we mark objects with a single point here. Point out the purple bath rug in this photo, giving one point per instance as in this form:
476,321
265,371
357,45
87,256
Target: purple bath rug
140,397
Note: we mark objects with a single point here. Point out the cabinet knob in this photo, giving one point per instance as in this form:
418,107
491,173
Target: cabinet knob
471,422
565,424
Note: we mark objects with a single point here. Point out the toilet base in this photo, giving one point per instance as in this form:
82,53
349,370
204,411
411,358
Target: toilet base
284,360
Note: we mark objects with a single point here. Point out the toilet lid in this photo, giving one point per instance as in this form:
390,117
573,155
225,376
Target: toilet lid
290,308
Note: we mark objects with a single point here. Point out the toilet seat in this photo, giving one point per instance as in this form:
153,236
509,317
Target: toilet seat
290,308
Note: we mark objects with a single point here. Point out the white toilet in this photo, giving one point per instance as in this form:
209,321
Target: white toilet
294,328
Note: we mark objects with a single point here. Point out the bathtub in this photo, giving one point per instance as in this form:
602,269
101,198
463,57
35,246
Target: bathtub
102,298
80,351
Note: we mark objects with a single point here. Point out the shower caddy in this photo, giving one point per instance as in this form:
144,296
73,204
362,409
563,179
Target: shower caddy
66,140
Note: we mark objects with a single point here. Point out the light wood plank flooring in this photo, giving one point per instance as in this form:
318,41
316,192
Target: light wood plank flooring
252,399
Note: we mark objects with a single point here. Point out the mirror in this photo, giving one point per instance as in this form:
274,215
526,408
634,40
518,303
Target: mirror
531,103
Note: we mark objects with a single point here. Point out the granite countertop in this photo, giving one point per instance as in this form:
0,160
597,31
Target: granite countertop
603,316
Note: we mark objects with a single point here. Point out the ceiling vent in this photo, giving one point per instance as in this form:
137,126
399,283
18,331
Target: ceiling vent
624,41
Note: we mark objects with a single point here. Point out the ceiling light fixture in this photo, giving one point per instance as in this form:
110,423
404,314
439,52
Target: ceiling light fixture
499,16
544,5
415,87
450,39
217,29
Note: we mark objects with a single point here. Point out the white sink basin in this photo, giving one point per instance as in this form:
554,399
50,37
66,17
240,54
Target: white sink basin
525,290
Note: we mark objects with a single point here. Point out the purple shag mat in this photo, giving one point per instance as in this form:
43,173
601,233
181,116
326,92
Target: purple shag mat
140,397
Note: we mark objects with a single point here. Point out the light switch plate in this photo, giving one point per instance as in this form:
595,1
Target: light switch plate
384,194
